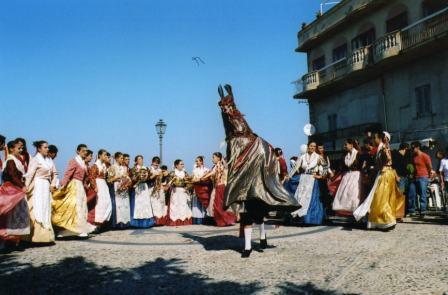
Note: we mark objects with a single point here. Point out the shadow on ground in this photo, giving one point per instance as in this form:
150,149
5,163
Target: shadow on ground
162,276
216,243
78,276
305,289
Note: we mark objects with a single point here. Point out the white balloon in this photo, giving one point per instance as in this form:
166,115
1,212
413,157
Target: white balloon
303,149
309,129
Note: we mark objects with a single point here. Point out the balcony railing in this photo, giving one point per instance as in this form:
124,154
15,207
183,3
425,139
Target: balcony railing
328,73
387,46
360,58
425,29
333,71
310,81
392,44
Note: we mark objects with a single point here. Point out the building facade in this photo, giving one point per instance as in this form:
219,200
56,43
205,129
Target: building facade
378,64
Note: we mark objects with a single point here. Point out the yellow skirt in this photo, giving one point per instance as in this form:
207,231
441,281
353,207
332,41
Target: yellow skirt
69,209
387,202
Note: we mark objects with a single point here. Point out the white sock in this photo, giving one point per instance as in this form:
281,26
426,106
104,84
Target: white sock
262,232
247,238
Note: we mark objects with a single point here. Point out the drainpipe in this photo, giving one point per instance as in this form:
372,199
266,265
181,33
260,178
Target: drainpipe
383,95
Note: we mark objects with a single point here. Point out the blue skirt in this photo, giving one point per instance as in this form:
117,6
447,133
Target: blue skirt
315,214
140,223
292,184
113,218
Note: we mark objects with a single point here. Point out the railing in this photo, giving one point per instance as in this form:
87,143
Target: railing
333,71
387,46
425,29
310,81
360,58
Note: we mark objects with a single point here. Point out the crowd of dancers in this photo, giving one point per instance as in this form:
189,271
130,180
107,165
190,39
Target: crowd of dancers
372,183
38,205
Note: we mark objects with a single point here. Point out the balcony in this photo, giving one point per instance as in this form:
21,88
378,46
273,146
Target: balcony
425,30
386,48
310,81
324,75
360,58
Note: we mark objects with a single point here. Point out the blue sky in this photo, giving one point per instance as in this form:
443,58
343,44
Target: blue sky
103,72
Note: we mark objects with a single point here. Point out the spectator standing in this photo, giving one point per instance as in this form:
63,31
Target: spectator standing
419,185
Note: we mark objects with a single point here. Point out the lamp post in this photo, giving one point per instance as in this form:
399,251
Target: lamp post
160,129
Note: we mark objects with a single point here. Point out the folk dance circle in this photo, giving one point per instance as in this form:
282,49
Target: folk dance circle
246,186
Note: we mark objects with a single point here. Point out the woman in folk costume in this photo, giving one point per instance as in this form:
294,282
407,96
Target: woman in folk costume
325,195
312,168
140,198
41,180
5,152
349,193
385,199
121,182
157,184
24,156
69,213
97,179
14,214
292,179
201,196
90,191
282,167
253,187
179,210
219,178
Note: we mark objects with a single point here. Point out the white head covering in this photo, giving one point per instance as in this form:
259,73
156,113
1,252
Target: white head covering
387,134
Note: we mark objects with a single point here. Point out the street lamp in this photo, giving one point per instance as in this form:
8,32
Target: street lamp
160,128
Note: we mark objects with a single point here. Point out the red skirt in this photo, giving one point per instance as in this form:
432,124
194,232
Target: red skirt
221,217
91,203
162,220
178,222
333,184
202,191
10,196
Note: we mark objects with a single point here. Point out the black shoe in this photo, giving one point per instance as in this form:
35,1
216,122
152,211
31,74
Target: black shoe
263,243
246,253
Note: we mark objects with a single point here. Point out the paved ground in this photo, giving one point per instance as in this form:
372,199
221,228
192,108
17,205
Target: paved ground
413,259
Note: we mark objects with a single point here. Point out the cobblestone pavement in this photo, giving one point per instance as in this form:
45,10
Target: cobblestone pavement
412,259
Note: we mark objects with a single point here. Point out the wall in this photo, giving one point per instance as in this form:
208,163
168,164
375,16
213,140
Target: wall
400,87
354,106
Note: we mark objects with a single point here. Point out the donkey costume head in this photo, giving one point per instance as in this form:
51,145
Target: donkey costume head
234,122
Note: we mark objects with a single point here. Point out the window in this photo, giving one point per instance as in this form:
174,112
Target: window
340,52
397,22
319,63
332,122
432,6
423,100
363,39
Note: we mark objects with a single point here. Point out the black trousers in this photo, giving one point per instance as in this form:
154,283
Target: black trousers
254,212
